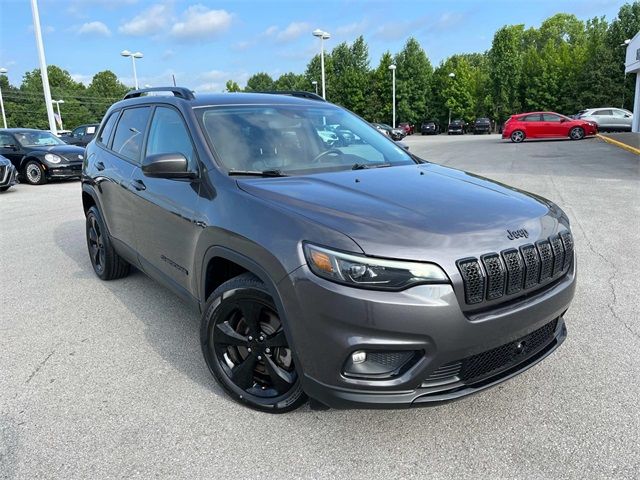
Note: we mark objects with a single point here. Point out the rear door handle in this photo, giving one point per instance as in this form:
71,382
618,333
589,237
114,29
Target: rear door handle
138,184
99,166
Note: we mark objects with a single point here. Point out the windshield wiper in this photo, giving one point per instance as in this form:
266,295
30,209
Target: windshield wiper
258,173
365,166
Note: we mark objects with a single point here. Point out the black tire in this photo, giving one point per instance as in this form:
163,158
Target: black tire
105,261
4,189
518,136
576,133
240,326
34,173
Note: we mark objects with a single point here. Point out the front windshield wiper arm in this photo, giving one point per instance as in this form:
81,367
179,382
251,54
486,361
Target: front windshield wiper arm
258,173
365,166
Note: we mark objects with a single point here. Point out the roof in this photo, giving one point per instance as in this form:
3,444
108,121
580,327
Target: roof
18,130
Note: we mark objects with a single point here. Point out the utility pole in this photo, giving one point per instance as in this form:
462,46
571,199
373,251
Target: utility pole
43,67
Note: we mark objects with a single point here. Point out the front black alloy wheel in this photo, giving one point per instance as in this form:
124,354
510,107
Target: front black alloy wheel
246,349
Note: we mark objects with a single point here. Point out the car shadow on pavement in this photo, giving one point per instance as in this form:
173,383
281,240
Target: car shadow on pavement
172,327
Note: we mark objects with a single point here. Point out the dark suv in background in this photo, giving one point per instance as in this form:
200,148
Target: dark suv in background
482,125
81,135
358,274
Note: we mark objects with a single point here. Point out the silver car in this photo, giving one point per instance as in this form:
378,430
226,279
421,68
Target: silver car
614,119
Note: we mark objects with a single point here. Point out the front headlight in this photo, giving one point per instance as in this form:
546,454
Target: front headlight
52,158
366,272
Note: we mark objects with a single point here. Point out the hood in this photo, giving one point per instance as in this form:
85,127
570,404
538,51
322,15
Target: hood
413,212
69,152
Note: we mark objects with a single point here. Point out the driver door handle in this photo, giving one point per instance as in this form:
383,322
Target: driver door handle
138,184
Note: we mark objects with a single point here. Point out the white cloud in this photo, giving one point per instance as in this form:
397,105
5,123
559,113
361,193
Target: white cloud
82,78
45,29
94,28
351,29
214,75
271,30
198,21
293,31
168,53
148,22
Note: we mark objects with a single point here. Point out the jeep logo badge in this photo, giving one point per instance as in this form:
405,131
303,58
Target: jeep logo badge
513,234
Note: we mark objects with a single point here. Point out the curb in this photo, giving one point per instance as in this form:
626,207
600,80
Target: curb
624,146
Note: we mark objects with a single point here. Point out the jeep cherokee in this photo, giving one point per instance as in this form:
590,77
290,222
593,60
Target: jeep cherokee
358,275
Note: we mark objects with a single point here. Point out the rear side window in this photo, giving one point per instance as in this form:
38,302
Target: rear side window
127,140
603,112
169,134
105,134
531,118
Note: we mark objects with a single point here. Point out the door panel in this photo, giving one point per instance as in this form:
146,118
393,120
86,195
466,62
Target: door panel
552,126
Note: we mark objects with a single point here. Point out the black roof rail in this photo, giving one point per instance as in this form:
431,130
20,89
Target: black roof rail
180,92
295,93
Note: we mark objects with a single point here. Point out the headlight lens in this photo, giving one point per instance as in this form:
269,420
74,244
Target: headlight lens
366,272
52,158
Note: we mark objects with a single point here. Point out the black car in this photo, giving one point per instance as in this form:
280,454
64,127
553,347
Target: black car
358,275
393,133
482,125
81,135
430,128
40,156
456,127
8,174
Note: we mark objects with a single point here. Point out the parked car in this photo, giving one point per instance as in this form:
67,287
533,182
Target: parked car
456,127
608,119
8,174
40,156
546,125
358,275
430,128
81,135
408,128
394,133
482,125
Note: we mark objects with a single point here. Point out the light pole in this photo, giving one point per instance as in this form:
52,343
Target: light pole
58,102
315,84
392,67
322,35
134,55
451,76
624,82
43,66
3,71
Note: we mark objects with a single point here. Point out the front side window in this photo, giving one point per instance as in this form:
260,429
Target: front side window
169,134
78,132
296,139
550,117
37,138
127,140
619,113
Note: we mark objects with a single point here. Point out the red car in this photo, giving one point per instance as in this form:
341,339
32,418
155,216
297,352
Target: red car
407,127
546,125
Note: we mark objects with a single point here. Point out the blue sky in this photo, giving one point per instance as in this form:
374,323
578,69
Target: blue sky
204,43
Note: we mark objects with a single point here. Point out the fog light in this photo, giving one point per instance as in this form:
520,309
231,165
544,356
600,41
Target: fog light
359,356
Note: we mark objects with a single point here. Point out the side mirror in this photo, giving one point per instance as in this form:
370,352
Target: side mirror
402,145
167,165
562,120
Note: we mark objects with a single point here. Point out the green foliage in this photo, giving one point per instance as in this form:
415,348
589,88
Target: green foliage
232,86
413,77
259,82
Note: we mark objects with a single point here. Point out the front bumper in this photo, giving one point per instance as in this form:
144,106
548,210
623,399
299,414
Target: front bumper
71,170
8,176
328,322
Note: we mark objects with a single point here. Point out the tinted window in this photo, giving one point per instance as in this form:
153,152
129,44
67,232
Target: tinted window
619,113
105,134
550,117
603,112
531,118
78,132
168,134
6,139
127,140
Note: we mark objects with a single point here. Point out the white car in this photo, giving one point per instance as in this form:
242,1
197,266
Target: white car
608,118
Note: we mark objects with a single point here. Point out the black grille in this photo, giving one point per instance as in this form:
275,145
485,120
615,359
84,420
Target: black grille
473,278
513,271
495,275
389,359
485,364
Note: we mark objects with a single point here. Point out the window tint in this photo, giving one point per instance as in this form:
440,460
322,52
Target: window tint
6,139
603,112
105,134
169,134
531,118
619,113
550,117
127,141
78,132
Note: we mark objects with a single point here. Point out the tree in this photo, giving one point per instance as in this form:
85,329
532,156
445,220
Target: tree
350,68
260,82
232,86
292,81
313,73
505,67
102,92
413,82
624,27
379,107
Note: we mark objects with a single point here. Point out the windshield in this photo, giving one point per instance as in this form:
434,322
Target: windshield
37,139
296,139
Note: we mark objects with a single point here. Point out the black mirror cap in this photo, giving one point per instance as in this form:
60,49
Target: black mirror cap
167,165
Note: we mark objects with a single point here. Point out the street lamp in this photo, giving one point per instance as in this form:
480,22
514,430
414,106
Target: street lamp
58,102
393,93
3,71
134,55
322,35
315,84
451,76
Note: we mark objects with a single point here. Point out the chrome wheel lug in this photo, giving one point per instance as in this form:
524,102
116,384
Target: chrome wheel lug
259,357
250,338
267,350
261,338
249,349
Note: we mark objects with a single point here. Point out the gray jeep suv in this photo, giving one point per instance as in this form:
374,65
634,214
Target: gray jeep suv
350,272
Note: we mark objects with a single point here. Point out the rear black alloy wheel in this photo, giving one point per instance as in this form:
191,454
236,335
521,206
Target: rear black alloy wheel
95,241
245,347
576,133
34,173
106,262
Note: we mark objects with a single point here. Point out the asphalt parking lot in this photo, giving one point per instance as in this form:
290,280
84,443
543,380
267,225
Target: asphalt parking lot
107,380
